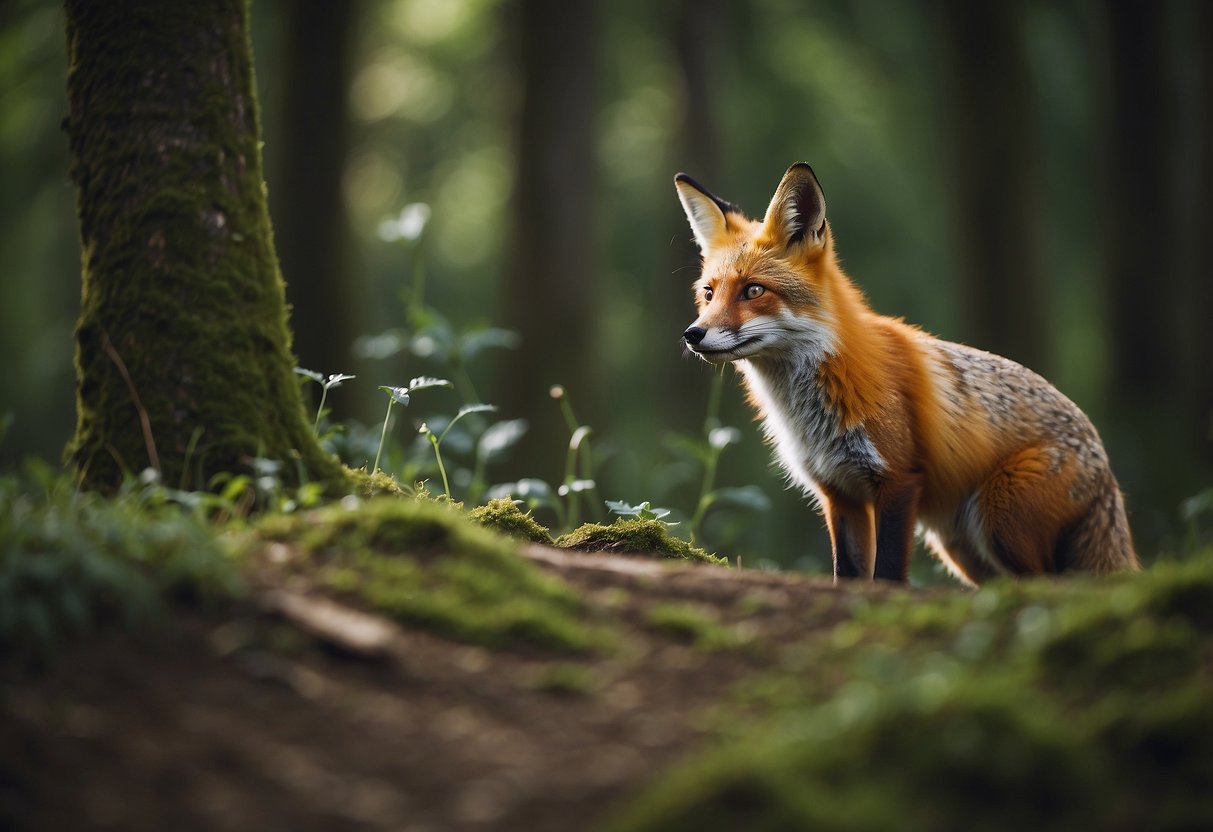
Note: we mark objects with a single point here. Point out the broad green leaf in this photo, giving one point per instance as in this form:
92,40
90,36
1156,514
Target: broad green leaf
747,496
723,437
400,395
425,382
474,341
310,374
336,380
384,345
688,447
500,437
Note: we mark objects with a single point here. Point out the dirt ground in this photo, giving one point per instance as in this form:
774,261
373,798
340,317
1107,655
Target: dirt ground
292,711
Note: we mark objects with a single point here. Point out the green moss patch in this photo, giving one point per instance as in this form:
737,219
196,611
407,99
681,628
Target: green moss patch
71,562
634,536
504,516
695,624
424,563
1050,705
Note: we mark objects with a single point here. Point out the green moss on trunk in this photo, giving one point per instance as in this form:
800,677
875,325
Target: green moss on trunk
183,354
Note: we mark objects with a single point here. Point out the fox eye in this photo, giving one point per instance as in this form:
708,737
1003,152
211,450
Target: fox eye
752,291
707,293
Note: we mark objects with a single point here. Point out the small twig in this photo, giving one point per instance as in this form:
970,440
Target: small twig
144,421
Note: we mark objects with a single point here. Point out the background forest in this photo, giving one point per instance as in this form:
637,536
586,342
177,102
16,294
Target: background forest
1033,178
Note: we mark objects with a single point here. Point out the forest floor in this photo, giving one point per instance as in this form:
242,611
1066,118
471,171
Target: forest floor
292,710
393,666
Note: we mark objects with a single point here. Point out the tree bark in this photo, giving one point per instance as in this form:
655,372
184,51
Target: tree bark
183,355
550,284
995,180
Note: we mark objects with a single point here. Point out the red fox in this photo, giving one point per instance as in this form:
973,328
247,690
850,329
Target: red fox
888,427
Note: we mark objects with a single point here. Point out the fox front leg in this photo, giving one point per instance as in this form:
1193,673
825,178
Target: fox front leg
897,513
852,537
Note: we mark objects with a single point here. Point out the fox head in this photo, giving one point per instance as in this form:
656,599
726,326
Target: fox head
763,287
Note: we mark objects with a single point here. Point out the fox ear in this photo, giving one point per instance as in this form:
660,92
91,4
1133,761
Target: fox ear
798,210
705,212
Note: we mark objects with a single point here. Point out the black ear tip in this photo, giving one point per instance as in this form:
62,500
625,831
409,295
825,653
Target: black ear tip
683,178
803,167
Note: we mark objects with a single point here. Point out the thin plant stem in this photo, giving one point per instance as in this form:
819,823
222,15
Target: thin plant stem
711,421
567,409
383,435
570,475
324,392
705,491
446,485
712,418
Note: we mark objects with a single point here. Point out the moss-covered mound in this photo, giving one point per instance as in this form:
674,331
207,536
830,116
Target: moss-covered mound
634,536
504,516
424,563
1041,705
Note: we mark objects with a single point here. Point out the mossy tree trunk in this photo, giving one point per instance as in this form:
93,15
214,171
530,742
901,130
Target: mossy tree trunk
183,354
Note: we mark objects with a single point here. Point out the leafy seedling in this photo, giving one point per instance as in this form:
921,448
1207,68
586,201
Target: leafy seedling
326,384
400,395
578,464
643,511
436,438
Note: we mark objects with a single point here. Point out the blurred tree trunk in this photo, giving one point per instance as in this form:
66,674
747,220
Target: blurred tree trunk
1139,201
550,292
995,177
696,32
1203,306
1151,391
310,221
183,355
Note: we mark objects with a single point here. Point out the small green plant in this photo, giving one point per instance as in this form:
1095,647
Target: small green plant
430,335
1193,511
706,451
578,465
326,384
401,395
644,511
436,438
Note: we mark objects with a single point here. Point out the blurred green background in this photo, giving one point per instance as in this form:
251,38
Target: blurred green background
1033,178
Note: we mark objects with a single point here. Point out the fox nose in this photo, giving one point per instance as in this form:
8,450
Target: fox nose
694,335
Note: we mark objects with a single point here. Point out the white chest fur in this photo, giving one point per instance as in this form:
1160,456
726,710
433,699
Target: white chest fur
806,432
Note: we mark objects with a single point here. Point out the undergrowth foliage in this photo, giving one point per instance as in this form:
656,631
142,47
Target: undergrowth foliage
460,450
72,561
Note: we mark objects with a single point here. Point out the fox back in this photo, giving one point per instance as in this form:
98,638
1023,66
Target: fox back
887,427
